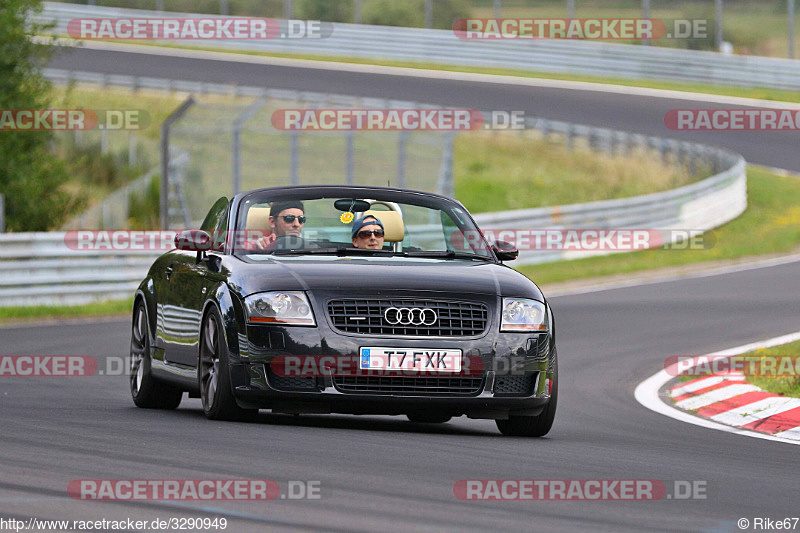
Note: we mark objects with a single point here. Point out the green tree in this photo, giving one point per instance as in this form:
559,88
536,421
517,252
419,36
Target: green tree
30,175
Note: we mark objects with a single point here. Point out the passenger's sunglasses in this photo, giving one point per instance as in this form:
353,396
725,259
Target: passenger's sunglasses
290,218
366,233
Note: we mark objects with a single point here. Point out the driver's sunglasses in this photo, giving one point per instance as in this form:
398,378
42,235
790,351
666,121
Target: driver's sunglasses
366,233
290,218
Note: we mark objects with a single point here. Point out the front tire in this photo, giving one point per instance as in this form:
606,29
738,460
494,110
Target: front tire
145,390
533,426
213,374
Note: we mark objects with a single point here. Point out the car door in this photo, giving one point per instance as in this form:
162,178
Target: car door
188,290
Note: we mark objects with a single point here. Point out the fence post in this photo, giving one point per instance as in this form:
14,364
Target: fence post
646,15
570,9
429,13
498,8
238,122
2,214
288,9
294,155
402,140
718,16
132,146
790,9
351,158
165,126
357,7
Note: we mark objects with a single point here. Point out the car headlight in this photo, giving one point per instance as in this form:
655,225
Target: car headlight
523,314
279,307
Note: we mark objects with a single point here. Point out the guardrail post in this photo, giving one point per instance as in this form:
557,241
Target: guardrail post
165,126
2,214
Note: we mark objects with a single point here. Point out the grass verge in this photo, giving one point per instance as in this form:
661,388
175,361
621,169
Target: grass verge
786,382
771,224
538,172
25,314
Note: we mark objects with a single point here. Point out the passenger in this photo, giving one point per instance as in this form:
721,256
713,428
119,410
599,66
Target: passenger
368,233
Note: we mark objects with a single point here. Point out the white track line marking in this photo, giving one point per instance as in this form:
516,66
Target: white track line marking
696,385
755,411
718,395
793,433
646,393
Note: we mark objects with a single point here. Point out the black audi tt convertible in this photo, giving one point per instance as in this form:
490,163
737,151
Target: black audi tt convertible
345,299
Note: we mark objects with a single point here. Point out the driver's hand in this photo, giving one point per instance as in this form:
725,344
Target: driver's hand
264,243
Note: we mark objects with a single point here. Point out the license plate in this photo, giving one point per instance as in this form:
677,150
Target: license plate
416,359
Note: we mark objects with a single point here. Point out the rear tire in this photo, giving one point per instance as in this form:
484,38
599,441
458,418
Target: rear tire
145,390
213,374
533,426
428,418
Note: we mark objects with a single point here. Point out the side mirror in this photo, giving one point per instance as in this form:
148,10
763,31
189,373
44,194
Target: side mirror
505,251
193,240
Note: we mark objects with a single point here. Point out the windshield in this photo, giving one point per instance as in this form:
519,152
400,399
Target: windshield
380,224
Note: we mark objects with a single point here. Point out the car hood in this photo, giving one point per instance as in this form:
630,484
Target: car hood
371,274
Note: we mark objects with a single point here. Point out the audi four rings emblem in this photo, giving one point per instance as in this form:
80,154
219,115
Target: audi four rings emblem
410,316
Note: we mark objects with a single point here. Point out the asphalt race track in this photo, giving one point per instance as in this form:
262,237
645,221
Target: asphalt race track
385,473
624,112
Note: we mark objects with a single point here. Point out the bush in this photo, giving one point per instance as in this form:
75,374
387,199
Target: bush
327,10
31,178
393,13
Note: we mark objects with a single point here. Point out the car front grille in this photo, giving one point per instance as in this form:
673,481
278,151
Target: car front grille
453,319
417,386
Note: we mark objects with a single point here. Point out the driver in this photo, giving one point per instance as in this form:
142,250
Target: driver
286,219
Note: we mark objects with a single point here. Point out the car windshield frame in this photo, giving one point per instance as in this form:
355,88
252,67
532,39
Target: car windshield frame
458,214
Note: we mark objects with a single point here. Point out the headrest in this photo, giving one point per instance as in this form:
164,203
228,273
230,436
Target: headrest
393,228
258,219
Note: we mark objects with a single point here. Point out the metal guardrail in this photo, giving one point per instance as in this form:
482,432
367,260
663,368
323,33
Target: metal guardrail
39,268
541,55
